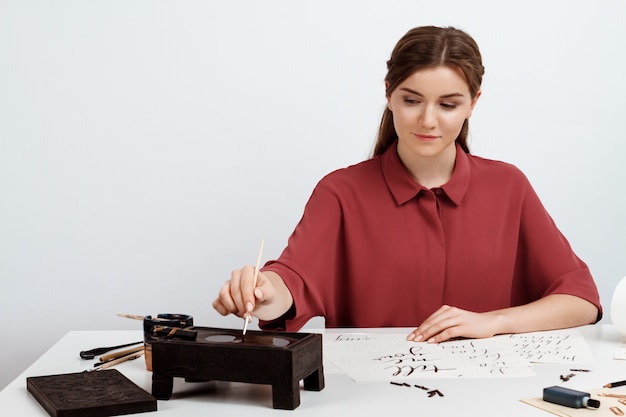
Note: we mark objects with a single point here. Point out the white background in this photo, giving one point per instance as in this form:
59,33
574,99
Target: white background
147,146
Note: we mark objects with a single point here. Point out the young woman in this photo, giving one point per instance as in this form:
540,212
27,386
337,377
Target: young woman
424,233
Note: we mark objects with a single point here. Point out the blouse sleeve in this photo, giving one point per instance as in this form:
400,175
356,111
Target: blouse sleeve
546,263
311,260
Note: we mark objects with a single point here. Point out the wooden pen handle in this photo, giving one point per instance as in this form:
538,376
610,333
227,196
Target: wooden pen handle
105,365
119,354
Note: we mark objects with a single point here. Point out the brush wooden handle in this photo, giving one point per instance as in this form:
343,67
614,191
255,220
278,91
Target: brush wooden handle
115,355
90,354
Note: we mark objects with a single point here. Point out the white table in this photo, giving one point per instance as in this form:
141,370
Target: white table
341,396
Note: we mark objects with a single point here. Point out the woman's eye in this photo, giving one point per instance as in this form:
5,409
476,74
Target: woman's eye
411,101
449,106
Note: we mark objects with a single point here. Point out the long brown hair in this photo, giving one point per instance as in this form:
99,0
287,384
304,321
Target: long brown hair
426,47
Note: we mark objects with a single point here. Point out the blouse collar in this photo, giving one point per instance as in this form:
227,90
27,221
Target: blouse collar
404,187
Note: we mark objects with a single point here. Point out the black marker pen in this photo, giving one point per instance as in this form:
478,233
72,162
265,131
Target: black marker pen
569,397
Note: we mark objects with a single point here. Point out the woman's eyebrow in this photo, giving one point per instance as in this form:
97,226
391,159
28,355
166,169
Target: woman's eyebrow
409,90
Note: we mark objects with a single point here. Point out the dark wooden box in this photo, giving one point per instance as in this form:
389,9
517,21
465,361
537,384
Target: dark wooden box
90,394
279,359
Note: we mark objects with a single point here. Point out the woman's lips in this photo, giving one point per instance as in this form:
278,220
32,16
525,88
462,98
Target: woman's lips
425,138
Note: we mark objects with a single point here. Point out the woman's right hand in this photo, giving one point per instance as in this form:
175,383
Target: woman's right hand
268,300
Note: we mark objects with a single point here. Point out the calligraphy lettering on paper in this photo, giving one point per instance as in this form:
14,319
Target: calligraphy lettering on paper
537,347
351,338
407,363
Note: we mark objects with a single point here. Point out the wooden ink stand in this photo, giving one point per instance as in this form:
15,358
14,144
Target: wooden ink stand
279,359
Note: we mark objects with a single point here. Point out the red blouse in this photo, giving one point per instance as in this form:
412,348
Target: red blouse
376,249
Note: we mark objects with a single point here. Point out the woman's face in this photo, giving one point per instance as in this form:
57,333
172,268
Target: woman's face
429,109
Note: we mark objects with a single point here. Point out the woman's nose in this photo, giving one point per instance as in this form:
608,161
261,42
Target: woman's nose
427,118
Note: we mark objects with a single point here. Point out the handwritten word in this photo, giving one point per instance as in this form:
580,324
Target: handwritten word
351,338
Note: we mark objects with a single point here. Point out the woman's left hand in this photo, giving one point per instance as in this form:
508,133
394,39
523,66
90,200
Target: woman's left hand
449,322
554,311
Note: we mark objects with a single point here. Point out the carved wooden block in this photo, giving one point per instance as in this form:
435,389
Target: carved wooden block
90,394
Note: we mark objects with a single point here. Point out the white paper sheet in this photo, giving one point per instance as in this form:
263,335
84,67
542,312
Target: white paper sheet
374,357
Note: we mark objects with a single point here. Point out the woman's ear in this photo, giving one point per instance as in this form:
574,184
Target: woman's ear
474,100
388,96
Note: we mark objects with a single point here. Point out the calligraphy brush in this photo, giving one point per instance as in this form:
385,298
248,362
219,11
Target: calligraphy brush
92,353
136,317
105,365
246,317
115,355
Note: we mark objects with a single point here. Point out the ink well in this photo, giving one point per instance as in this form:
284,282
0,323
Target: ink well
164,321
569,397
